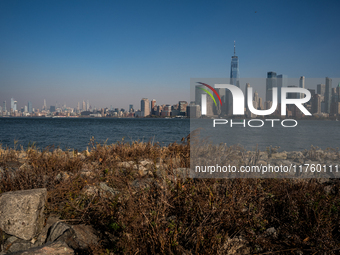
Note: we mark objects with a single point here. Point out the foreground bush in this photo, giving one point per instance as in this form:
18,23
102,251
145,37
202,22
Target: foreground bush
144,206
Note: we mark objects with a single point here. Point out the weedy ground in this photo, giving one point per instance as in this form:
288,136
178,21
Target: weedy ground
172,215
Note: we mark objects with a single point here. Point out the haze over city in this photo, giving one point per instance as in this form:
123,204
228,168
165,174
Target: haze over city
117,52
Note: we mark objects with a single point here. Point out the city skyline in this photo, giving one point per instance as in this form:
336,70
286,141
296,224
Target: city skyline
114,53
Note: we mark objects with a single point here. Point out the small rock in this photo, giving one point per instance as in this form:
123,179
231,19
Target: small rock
271,232
86,174
56,248
58,231
124,164
103,186
141,183
279,155
103,190
62,176
14,244
146,162
236,245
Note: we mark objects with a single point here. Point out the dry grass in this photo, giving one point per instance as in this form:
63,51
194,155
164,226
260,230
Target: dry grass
172,215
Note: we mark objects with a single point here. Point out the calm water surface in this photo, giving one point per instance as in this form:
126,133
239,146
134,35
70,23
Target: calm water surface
75,133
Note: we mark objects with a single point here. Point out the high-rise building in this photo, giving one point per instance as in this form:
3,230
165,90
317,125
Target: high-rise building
302,85
281,81
328,95
145,107
234,69
29,104
84,106
316,103
4,108
44,106
12,104
131,108
270,83
182,107
320,89
256,100
234,80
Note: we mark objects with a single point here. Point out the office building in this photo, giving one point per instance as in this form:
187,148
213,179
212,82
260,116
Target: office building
320,89
316,103
302,85
234,80
145,107
29,105
281,81
270,83
328,95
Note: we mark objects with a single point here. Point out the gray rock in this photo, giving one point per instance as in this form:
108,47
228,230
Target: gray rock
236,245
78,237
21,212
83,237
14,244
59,231
141,183
56,248
103,186
102,190
271,232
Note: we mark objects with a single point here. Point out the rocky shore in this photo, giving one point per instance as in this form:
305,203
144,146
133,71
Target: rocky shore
139,198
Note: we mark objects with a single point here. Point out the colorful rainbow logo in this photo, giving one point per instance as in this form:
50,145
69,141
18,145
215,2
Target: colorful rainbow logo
208,92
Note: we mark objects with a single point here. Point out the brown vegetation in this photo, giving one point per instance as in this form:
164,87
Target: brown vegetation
158,212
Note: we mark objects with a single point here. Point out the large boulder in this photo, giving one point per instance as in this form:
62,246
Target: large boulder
21,212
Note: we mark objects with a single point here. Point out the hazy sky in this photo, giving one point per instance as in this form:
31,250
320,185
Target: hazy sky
117,52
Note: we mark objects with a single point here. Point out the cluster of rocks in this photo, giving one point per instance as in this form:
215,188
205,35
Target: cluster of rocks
25,230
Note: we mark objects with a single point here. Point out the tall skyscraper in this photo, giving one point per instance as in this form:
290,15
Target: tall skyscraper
29,104
281,81
270,83
44,107
302,85
84,106
234,69
320,89
328,95
131,108
145,107
4,108
234,80
12,104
